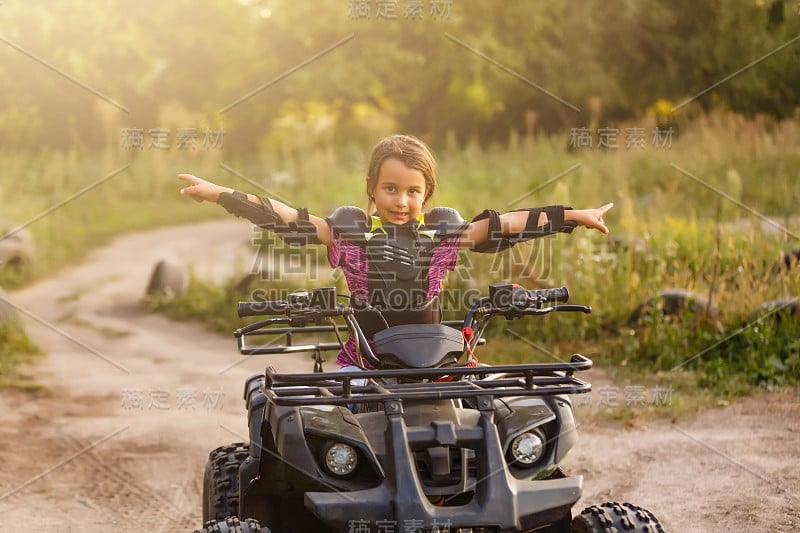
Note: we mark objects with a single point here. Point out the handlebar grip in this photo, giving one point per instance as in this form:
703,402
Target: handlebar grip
557,295
262,308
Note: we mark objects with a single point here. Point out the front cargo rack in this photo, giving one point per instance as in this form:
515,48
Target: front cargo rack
347,388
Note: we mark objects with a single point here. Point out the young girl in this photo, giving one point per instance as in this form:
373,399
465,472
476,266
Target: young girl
395,256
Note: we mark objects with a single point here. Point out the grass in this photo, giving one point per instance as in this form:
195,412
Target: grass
16,352
678,222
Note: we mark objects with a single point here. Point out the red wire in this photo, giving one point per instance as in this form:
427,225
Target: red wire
468,335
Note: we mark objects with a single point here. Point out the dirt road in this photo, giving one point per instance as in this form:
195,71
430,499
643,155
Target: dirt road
136,401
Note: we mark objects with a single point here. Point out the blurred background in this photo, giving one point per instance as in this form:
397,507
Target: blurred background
188,64
684,114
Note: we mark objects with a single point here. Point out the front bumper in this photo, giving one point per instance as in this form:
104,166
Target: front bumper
498,501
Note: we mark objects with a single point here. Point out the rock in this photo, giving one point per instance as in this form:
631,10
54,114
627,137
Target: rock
673,302
168,278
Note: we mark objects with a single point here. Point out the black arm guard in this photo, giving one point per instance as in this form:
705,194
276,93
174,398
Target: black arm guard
237,204
296,233
497,242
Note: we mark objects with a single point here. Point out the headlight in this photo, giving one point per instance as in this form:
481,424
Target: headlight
341,459
527,448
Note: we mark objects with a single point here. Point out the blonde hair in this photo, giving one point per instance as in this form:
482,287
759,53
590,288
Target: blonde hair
409,150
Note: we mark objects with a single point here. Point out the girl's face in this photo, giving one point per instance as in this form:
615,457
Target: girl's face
399,192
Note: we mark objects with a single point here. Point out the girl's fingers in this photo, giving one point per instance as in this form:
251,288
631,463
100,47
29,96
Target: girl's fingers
189,191
194,180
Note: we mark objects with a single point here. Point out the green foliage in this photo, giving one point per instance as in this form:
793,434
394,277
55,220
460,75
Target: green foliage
762,350
16,351
214,305
181,64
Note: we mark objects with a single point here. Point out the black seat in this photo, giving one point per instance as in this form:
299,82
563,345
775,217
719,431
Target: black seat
418,345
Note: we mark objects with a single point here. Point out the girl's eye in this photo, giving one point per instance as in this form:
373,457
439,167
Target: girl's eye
390,188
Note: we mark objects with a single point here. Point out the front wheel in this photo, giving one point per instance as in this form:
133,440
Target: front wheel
613,516
221,481
232,525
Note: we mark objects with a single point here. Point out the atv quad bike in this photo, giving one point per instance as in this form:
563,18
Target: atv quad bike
418,442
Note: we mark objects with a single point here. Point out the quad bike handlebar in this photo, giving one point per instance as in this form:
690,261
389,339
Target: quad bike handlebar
302,309
321,303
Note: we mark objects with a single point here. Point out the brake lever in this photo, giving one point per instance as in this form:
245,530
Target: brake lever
574,308
258,325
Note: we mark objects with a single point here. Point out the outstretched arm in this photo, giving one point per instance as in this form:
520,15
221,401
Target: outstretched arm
203,190
515,222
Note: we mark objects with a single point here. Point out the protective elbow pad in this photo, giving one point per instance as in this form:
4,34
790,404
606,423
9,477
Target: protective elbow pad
497,242
299,232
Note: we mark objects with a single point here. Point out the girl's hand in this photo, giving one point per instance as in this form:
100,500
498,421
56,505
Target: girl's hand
200,189
591,218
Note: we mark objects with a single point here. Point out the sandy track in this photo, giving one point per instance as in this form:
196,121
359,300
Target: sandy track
137,401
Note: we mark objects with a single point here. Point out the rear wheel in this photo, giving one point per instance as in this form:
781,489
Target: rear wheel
221,481
232,525
613,517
